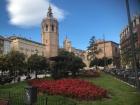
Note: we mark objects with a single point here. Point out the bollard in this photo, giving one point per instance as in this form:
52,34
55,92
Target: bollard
46,100
30,95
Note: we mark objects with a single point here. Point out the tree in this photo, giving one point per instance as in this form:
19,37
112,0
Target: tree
109,61
37,64
92,49
126,57
94,62
75,65
101,62
66,62
3,63
58,67
16,62
43,64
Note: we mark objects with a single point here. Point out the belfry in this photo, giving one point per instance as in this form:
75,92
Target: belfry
50,37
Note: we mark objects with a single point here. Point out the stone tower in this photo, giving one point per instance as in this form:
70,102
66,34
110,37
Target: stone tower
50,37
67,45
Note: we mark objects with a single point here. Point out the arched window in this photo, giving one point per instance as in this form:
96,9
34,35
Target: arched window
52,27
46,27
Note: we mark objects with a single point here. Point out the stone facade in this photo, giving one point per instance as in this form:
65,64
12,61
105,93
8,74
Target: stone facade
5,45
1,45
67,45
50,38
28,47
109,49
85,58
125,43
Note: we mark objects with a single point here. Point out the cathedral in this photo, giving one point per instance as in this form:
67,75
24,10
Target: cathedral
49,45
50,39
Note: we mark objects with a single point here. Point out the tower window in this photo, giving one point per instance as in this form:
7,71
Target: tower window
52,27
46,27
116,49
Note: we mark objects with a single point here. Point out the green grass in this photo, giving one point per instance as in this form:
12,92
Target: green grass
120,93
17,93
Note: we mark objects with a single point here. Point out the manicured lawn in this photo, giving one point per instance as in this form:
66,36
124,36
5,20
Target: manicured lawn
17,93
120,93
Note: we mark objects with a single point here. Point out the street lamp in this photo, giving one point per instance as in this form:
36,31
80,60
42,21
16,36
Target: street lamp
104,52
132,44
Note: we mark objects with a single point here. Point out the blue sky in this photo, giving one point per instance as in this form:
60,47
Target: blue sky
78,19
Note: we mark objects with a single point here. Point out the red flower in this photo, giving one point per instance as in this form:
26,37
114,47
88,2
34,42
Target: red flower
74,88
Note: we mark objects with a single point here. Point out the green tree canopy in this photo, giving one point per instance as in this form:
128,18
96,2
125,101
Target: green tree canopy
101,62
66,62
37,64
92,49
3,63
16,62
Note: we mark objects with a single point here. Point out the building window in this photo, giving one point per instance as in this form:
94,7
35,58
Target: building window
46,27
36,51
134,23
21,48
46,42
52,27
116,49
135,37
137,21
128,29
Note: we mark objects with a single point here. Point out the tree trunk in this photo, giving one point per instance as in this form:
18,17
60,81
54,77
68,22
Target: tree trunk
35,74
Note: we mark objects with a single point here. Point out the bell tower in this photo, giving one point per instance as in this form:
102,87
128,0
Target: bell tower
67,45
49,31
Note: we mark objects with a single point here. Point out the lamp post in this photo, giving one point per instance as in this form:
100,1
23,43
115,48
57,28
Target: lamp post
104,52
132,42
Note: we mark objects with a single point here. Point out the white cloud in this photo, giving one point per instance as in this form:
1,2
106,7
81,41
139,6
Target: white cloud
26,13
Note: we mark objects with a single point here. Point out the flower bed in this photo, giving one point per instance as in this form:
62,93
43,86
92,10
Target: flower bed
74,88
